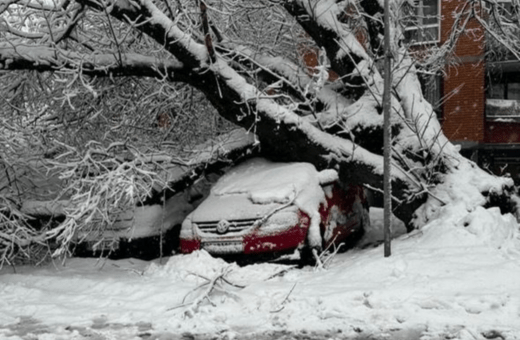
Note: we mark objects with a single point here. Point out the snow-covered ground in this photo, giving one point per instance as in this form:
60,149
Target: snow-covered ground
457,278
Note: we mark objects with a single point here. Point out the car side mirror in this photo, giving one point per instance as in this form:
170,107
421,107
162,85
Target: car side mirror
328,177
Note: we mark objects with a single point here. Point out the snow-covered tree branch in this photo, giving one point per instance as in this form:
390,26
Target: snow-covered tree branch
99,65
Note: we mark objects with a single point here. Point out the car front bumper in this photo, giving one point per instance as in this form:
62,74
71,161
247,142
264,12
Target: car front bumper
273,237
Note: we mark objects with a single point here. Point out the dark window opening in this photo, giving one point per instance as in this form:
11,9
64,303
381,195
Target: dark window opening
504,86
503,94
421,21
431,86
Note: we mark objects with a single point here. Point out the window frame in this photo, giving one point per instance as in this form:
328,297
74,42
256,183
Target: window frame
419,27
502,74
432,88
503,8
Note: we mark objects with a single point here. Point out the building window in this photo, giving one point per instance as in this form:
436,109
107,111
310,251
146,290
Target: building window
504,86
502,18
432,91
505,8
503,92
422,22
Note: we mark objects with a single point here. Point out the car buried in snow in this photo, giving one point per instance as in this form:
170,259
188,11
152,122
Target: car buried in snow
145,232
266,208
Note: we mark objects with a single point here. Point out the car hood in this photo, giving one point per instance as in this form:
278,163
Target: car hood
230,208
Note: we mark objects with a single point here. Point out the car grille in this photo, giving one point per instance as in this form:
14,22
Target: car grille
234,227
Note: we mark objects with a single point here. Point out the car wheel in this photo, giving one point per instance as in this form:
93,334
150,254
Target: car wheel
307,257
364,216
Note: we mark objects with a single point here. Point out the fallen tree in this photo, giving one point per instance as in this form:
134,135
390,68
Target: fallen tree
97,206
252,75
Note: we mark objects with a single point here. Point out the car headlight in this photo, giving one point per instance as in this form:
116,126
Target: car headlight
281,220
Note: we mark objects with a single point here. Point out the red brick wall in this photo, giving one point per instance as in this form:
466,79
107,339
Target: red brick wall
463,112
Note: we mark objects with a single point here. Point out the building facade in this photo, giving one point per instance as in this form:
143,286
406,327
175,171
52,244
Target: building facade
478,99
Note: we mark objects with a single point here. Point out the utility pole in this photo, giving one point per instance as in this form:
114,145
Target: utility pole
387,105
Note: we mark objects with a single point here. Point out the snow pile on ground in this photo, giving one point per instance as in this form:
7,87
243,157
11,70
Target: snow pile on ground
465,183
457,278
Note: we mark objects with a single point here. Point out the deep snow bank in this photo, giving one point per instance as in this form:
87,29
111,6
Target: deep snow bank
464,186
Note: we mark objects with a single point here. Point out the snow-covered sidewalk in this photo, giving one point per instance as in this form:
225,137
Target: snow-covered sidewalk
457,278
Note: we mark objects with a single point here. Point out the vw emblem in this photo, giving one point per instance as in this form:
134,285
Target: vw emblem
223,227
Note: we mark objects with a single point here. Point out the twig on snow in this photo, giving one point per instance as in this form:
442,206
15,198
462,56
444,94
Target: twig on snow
282,305
327,256
280,273
319,264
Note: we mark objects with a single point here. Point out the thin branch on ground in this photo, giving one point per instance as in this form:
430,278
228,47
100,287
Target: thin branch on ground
284,301
211,285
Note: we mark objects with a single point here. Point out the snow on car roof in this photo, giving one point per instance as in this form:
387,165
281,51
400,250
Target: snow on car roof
266,182
270,182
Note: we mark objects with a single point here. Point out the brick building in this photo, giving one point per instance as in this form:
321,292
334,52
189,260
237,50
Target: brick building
479,99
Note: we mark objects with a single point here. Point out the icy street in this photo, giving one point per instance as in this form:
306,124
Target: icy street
457,278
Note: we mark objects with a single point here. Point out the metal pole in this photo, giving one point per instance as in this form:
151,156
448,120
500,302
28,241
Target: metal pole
387,104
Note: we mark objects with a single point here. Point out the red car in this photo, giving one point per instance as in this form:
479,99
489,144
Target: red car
262,207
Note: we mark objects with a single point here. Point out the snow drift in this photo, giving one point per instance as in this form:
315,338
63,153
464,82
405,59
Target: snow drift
457,278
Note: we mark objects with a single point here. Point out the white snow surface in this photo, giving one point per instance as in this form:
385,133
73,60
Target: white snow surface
457,278
501,103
